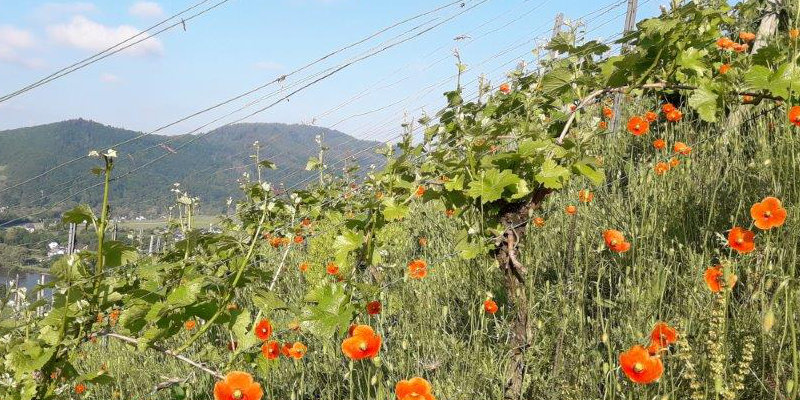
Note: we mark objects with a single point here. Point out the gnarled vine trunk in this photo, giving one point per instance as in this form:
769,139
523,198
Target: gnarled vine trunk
515,217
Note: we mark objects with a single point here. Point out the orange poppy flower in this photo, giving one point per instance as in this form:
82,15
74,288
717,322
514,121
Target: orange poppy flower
608,113
659,144
332,268
374,307
297,351
263,329
663,335
420,191
682,148
573,107
638,126
741,240
505,88
271,350
298,239
673,162
794,33
449,212
650,116
674,115
303,267
740,48
724,68
661,168
490,306
747,99
602,125
190,324
237,385
417,269
667,108
414,389
768,213
747,36
725,43
794,115
538,221
423,241
639,366
585,196
715,279
571,210
615,241
80,388
363,343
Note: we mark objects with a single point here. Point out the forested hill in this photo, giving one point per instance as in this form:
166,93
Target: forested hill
209,167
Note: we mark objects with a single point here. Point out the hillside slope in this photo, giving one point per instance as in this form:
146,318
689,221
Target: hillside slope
208,167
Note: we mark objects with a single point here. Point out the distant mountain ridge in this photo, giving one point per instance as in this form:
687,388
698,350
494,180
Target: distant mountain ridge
209,167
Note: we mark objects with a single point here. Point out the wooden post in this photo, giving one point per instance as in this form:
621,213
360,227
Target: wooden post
630,23
73,229
150,250
158,244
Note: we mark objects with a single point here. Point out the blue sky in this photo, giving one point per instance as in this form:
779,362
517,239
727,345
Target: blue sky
245,43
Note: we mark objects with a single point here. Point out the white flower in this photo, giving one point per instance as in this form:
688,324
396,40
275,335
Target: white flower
111,153
93,153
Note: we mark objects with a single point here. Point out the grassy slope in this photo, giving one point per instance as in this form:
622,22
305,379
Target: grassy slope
586,305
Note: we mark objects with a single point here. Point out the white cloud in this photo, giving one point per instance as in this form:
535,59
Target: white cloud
52,11
268,65
146,9
109,78
13,42
85,34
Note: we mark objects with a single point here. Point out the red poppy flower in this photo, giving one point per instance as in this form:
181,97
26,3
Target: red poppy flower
190,324
668,108
650,116
420,191
332,268
263,329
585,196
374,307
740,48
768,213
615,241
663,335
639,366
303,267
674,115
794,115
237,385
725,43
659,144
286,348
603,125
741,240
80,388
607,112
414,389
298,239
638,126
538,221
724,68
490,306
673,162
417,269
682,148
363,343
715,279
271,350
449,212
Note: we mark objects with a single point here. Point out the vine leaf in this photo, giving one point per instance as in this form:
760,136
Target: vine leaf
552,175
492,184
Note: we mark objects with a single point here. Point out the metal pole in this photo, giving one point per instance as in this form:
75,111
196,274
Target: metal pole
630,22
